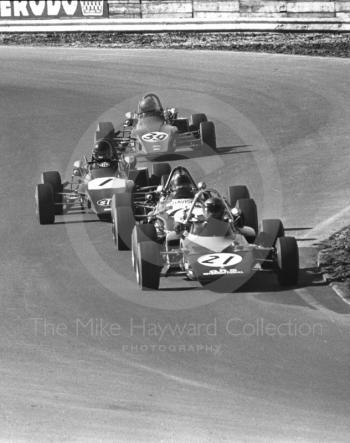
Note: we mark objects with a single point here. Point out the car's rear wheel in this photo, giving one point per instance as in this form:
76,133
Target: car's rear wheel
159,169
123,221
104,130
45,206
287,261
195,120
207,134
271,230
249,212
139,176
148,265
53,178
141,232
106,218
236,193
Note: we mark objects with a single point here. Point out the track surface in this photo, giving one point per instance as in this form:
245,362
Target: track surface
81,357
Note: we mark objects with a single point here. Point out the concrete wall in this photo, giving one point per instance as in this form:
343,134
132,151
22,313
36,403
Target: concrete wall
226,9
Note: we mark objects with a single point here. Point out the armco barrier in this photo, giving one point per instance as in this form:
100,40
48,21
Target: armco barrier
171,15
169,25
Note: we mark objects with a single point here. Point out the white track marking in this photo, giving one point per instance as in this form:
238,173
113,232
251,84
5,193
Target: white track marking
330,225
310,299
181,380
340,293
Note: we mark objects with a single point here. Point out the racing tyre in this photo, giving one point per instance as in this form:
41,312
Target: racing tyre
139,177
236,193
106,218
142,232
195,121
123,221
159,169
122,199
249,212
148,265
207,134
53,178
45,206
104,130
271,230
287,261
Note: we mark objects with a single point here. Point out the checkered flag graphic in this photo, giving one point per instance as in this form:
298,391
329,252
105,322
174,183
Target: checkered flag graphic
92,8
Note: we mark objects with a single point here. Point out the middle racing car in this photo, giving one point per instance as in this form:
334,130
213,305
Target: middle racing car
111,170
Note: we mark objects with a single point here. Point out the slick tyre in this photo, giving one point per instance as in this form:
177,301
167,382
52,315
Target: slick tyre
207,134
148,265
195,120
142,232
271,230
140,177
104,130
237,192
158,170
53,178
123,221
45,206
287,261
249,212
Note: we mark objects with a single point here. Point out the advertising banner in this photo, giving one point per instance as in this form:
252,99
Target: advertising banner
52,9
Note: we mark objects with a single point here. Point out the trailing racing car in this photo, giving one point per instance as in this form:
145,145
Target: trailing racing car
221,251
111,170
154,131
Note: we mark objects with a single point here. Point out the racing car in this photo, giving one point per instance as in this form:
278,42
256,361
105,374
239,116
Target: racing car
224,258
111,170
154,131
175,192
169,191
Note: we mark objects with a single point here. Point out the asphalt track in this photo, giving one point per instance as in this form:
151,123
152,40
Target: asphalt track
85,355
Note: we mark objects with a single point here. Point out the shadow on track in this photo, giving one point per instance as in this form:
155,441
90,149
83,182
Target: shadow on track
70,222
204,152
297,229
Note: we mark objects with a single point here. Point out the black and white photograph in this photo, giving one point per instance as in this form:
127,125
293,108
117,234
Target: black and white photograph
175,228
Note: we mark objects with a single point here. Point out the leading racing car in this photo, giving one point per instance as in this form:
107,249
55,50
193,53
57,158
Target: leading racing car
154,131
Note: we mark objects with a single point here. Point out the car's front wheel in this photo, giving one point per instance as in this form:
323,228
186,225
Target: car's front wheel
123,221
148,265
141,232
53,178
287,261
45,206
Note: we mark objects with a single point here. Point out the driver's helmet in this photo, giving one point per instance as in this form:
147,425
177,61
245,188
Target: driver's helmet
182,186
214,208
148,105
102,152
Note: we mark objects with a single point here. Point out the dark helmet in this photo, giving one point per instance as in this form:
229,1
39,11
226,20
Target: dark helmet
148,105
183,187
102,151
214,207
